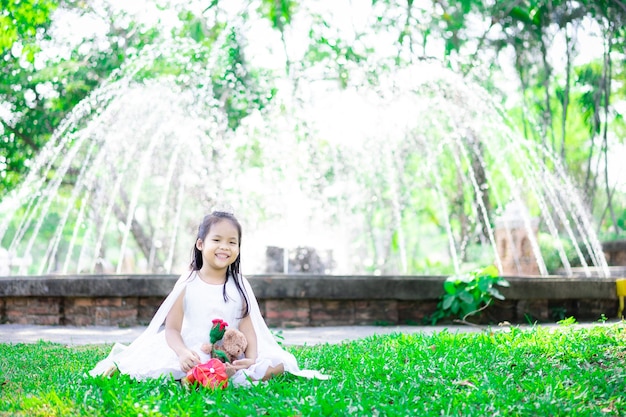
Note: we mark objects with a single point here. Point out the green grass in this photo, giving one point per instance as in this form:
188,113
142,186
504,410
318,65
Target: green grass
559,372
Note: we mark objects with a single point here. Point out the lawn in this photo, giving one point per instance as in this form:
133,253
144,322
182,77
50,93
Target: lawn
562,371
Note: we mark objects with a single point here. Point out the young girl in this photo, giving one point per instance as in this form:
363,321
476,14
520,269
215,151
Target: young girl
213,289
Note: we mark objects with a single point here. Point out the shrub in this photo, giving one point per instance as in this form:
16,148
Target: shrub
469,294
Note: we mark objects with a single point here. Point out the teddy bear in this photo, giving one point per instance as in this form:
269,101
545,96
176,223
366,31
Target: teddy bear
234,343
225,344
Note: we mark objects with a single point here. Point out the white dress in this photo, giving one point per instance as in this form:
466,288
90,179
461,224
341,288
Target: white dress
149,356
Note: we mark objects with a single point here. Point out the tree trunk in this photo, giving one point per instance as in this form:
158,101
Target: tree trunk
547,111
568,81
608,69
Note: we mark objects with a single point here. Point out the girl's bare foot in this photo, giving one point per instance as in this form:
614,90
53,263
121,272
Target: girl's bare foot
273,371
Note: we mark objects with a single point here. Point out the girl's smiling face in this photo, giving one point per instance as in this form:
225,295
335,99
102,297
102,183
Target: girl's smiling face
220,247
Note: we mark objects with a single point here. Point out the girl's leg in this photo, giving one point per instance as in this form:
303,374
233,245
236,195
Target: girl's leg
111,371
273,371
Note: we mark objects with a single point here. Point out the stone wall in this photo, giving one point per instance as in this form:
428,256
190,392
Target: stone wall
298,300
615,252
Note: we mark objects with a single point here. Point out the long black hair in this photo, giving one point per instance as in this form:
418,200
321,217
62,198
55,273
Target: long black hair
234,269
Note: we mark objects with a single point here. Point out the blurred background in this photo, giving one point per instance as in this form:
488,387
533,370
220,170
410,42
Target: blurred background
383,137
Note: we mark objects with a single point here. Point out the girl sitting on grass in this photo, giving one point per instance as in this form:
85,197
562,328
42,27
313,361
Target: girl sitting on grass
213,289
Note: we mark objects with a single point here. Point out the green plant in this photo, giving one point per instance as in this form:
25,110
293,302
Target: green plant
569,321
550,246
468,294
621,221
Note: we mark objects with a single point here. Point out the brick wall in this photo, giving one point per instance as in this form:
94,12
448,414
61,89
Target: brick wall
297,301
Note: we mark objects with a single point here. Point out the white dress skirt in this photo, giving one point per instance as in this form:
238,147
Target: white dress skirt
149,356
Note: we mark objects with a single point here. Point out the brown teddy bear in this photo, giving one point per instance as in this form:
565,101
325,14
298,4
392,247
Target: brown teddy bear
227,345
234,344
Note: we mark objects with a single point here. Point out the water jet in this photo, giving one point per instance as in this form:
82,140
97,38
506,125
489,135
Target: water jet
410,178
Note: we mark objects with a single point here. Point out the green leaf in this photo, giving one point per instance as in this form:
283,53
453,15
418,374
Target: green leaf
395,241
454,308
484,284
450,287
490,271
495,293
522,15
447,301
196,30
466,297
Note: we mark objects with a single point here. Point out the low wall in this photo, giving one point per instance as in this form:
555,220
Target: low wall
298,300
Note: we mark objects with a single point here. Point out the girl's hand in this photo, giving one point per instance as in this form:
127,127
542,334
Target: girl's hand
238,364
188,359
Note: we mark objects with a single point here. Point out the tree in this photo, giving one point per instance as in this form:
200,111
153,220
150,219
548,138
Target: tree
23,26
569,109
39,91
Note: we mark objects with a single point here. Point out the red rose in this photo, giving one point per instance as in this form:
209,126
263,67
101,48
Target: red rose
221,323
217,330
210,374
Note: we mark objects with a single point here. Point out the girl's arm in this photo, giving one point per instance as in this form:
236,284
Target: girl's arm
245,327
173,324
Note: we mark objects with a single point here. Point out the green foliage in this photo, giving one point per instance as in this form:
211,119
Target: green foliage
38,97
19,23
621,221
529,16
334,55
236,84
568,321
241,88
487,373
279,13
550,247
467,294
